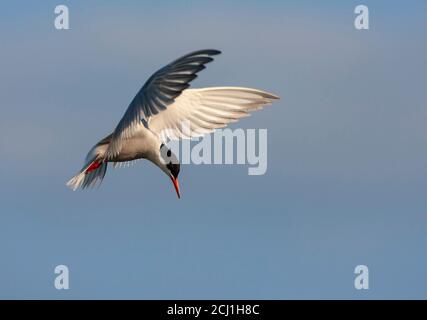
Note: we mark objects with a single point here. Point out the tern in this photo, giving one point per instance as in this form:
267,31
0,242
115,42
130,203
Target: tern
156,116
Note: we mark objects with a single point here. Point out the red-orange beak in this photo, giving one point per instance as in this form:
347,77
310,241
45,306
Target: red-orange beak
176,185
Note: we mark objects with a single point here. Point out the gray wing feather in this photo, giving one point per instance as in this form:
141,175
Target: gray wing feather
158,93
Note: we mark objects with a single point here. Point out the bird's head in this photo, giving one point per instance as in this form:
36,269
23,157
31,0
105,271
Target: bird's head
169,164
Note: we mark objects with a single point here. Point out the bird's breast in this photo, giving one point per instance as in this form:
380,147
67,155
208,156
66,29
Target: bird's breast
141,145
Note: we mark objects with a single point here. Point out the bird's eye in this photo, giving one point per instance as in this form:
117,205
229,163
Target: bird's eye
169,153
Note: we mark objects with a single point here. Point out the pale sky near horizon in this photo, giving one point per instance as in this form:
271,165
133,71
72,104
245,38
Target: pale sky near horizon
347,149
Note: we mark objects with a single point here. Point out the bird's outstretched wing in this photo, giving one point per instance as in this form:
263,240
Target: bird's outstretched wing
200,111
160,91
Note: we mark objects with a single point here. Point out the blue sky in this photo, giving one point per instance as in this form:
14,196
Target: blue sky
347,142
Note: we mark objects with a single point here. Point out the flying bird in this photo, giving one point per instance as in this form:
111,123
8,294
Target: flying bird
156,114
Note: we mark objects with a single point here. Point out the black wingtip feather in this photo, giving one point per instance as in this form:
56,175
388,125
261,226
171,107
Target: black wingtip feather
207,52
213,52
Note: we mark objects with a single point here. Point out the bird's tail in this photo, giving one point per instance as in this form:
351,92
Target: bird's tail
91,174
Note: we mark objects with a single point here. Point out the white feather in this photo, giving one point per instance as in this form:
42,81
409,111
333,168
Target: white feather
207,109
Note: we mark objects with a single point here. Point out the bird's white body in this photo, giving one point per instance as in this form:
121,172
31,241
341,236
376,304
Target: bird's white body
164,110
141,146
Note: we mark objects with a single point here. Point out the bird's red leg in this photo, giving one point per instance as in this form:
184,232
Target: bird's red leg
93,166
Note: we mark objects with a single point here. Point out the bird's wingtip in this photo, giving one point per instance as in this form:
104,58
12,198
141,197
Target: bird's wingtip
274,96
211,52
